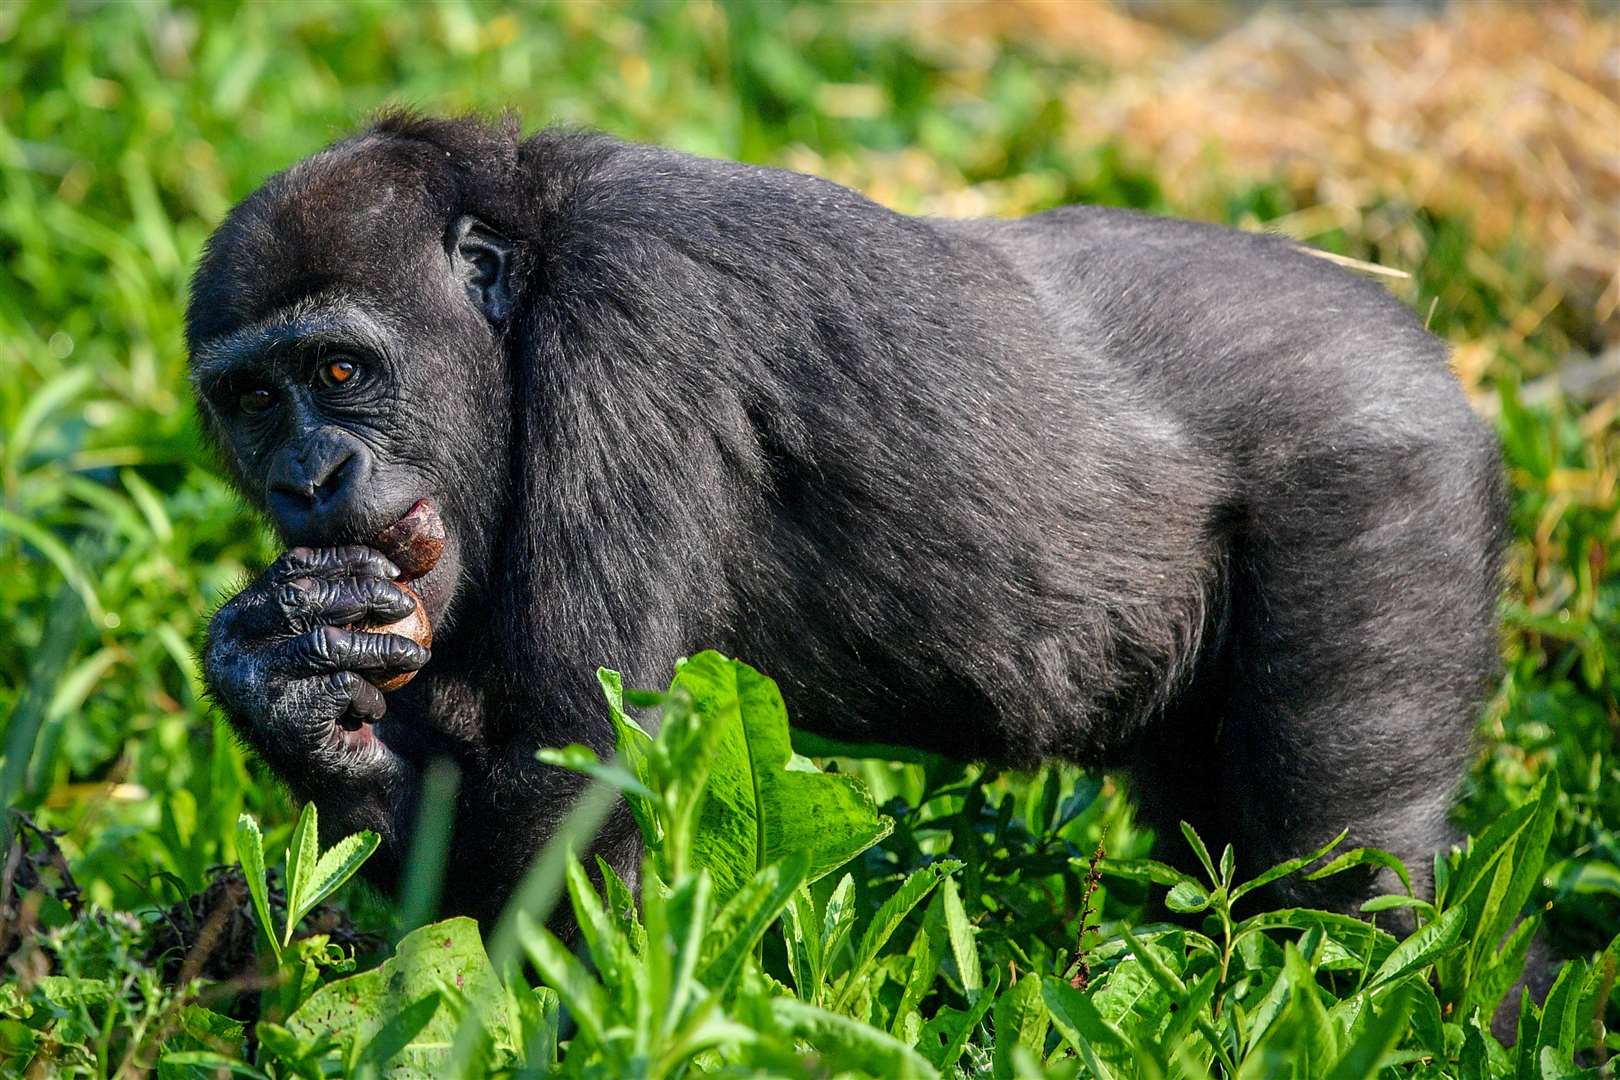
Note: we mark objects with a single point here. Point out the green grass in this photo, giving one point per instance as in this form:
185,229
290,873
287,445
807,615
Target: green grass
126,132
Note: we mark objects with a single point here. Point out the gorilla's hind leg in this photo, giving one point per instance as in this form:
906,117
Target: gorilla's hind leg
1361,650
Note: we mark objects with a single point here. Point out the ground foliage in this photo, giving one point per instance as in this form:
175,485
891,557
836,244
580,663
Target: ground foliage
946,918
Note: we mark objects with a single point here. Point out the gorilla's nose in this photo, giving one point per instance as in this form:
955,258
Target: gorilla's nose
316,485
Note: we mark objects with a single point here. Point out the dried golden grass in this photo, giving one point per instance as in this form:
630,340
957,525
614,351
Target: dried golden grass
1508,114
1505,114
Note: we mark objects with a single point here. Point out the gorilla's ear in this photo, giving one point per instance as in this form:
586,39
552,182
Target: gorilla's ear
482,258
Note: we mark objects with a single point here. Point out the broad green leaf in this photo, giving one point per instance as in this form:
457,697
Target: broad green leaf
845,1044
1146,870
912,892
336,865
1396,902
302,851
398,1032
757,810
205,1063
250,852
445,954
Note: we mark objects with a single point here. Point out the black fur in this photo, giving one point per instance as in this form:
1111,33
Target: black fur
1090,485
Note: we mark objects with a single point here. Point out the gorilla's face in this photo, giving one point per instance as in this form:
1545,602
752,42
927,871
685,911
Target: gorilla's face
342,396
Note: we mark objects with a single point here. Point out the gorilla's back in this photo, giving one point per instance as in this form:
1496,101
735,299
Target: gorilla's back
1262,350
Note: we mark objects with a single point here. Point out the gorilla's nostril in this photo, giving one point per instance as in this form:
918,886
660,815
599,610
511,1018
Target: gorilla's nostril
333,480
316,472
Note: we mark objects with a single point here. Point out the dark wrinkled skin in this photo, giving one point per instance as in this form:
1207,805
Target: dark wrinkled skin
278,652
1136,493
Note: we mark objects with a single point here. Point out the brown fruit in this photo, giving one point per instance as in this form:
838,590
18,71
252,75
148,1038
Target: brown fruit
414,544
414,626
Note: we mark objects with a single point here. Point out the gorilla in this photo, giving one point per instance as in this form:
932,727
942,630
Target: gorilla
1092,485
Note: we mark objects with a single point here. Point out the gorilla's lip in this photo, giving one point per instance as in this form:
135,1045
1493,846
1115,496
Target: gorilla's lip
415,542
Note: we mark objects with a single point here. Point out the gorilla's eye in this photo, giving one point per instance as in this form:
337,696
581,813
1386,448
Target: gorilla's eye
255,399
339,370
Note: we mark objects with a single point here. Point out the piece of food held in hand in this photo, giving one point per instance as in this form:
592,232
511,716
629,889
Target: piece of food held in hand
414,544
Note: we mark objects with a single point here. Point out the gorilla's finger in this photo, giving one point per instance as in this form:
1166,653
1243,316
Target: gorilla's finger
330,649
353,560
366,702
367,601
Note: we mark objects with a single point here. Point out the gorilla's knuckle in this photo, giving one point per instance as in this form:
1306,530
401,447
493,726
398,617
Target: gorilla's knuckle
342,685
292,596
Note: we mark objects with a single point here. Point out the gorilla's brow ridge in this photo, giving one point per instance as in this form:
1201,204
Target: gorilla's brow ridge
340,323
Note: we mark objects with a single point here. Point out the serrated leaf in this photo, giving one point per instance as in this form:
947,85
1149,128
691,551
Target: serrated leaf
1365,1055
837,920
1021,1021
1083,1028
1560,1022
1364,856
845,1044
960,932
1196,842
956,1026
912,891
609,948
335,866
1284,869
1187,897
745,918
1430,942
632,747
250,852
302,851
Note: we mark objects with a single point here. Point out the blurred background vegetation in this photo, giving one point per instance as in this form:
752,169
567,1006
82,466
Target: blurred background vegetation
1474,149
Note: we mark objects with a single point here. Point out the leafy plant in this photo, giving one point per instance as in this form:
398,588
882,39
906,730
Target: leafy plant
311,875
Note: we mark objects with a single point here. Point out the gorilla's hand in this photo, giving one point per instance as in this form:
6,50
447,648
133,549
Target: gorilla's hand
294,679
